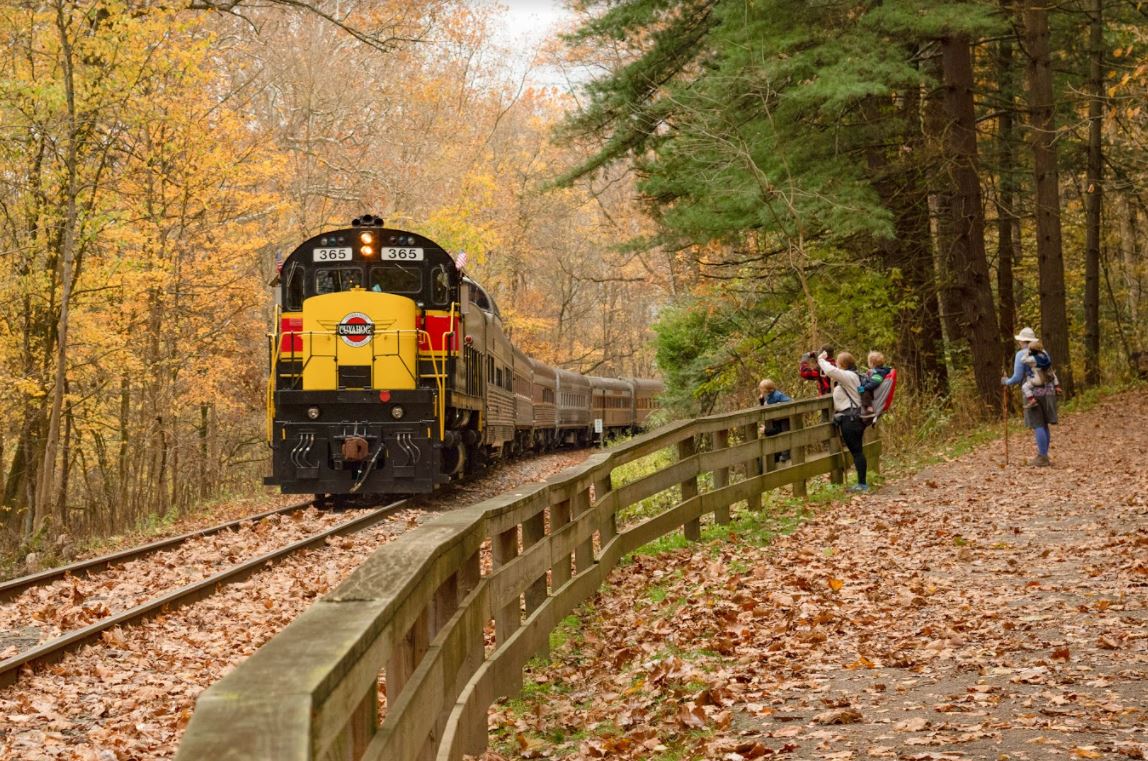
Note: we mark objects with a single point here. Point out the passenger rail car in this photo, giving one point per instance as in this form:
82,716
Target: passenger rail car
391,372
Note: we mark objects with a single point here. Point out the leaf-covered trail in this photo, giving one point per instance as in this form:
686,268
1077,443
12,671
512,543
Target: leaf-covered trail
967,612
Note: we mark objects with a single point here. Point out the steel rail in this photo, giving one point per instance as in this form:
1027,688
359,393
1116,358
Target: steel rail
13,587
53,650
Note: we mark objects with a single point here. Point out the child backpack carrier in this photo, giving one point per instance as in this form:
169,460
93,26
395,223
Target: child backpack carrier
882,398
1042,371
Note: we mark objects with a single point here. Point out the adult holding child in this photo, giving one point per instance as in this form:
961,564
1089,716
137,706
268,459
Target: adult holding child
1040,413
847,409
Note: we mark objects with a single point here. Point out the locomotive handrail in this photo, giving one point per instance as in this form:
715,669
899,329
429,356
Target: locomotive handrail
311,354
416,612
440,385
273,376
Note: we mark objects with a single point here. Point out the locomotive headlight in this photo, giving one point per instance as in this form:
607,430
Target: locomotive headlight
313,413
397,412
367,250
367,238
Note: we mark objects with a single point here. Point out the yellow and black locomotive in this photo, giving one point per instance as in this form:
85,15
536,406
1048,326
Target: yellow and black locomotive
391,373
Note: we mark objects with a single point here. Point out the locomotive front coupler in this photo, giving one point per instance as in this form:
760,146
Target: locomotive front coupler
353,446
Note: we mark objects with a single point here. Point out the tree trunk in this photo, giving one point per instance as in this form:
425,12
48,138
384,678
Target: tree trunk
65,466
900,181
1050,256
47,496
940,211
204,489
967,262
1130,254
1093,195
1007,218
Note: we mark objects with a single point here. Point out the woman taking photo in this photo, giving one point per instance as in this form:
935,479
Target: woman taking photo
847,409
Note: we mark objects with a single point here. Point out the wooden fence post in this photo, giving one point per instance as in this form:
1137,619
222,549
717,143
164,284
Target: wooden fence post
534,531
560,571
837,475
408,651
797,454
753,467
476,734
508,618
446,599
608,526
584,552
720,440
693,528
364,721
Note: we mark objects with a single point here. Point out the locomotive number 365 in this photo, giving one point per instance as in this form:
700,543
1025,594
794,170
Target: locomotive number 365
403,254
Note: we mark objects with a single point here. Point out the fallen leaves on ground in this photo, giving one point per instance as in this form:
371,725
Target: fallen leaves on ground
132,695
970,612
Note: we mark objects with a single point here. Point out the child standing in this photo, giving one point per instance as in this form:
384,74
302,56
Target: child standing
808,370
768,394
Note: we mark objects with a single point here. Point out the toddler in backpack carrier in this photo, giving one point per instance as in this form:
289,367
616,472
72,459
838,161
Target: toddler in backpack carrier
1039,373
878,373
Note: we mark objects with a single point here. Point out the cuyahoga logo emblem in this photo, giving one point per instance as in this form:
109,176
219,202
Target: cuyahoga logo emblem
355,329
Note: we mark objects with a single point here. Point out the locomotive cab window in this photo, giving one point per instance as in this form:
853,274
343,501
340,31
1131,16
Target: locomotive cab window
440,287
335,280
293,289
396,278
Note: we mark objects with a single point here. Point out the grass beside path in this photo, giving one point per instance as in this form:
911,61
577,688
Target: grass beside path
964,611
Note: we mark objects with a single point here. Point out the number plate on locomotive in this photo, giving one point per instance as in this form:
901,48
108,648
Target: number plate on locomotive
402,254
341,254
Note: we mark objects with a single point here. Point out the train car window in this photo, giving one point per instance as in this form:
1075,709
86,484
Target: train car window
440,286
293,289
335,280
396,278
479,297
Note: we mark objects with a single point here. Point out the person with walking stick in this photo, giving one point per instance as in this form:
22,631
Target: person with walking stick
1042,413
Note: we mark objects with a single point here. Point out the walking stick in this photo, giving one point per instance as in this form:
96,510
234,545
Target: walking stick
1004,417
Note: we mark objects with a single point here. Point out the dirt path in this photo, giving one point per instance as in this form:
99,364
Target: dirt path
969,612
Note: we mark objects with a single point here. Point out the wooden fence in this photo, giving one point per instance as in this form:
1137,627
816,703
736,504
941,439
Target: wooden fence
413,621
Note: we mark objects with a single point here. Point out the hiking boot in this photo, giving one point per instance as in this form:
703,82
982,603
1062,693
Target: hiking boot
859,488
1040,461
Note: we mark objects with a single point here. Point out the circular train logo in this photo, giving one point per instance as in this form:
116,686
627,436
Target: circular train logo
355,329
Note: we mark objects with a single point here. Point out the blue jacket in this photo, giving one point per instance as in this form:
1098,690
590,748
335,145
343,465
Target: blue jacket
1020,370
776,397
873,378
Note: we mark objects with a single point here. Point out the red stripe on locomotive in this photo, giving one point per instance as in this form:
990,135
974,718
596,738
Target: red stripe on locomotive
437,327
291,329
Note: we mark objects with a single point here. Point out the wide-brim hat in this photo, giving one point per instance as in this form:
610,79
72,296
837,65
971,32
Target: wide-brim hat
1026,334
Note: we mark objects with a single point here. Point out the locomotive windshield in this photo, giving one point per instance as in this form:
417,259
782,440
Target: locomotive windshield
397,278
392,261
335,280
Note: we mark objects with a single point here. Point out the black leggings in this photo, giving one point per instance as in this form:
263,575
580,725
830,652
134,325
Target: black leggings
853,431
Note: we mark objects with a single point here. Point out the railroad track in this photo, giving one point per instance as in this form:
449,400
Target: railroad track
53,650
13,587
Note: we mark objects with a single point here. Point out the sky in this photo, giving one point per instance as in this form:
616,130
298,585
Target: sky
529,20
525,25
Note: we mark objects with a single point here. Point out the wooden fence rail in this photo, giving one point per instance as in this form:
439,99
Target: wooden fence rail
412,623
